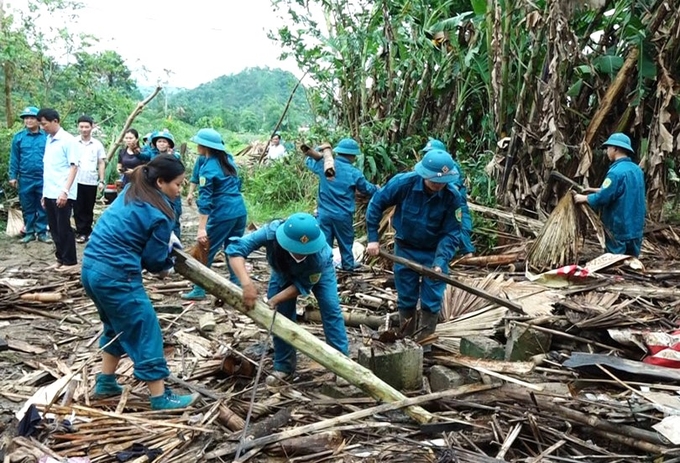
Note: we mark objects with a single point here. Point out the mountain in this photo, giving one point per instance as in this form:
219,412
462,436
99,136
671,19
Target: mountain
251,101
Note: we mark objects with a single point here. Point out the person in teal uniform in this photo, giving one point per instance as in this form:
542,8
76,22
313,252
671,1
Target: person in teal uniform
427,219
301,262
193,182
620,198
162,142
336,197
26,174
221,208
466,247
112,267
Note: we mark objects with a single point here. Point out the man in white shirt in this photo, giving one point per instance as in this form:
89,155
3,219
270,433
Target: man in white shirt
276,149
91,174
59,187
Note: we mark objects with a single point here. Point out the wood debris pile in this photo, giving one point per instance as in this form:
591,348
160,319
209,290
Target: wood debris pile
564,381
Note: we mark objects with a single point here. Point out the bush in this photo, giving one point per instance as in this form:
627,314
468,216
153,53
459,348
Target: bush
278,190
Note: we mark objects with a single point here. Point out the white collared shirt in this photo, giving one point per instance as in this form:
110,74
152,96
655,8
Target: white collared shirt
89,153
60,153
276,152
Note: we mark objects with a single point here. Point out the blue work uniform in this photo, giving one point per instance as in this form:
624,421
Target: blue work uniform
316,274
428,228
129,237
152,152
200,160
336,203
26,166
220,198
465,246
621,201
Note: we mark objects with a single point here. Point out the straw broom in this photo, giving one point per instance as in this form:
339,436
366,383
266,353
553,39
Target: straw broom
559,241
15,222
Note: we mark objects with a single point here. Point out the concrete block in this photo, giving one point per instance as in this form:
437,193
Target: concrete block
400,364
482,348
443,378
525,342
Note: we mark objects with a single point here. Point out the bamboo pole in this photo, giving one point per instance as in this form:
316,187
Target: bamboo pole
128,122
452,281
293,334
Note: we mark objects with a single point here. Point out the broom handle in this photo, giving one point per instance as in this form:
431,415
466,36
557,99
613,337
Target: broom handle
514,307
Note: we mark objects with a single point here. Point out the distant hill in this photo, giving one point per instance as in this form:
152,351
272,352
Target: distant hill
250,101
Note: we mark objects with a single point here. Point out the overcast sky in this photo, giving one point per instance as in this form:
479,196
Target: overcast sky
198,40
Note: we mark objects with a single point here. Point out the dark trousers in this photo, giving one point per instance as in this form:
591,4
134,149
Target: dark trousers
83,209
59,220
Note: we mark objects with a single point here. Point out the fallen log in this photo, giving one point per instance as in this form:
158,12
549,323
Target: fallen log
453,282
293,334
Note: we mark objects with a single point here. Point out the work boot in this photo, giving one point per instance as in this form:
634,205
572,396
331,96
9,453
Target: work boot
106,386
43,238
407,322
27,239
169,400
278,378
428,325
196,294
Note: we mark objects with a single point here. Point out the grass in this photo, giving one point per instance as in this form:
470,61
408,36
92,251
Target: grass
277,191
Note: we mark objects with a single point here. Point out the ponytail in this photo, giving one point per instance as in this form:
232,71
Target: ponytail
227,167
144,182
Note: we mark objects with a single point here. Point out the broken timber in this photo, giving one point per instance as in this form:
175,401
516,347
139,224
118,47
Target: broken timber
453,282
295,335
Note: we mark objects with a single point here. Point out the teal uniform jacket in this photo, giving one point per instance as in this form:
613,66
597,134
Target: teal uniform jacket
423,221
219,194
130,237
200,160
26,155
621,200
336,196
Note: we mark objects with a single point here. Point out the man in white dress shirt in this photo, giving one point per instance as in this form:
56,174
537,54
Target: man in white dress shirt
59,187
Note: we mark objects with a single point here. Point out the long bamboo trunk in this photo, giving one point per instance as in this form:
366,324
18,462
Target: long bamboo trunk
293,334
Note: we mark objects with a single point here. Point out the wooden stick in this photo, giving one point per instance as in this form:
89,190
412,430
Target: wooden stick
293,334
128,122
567,335
283,114
453,282
365,413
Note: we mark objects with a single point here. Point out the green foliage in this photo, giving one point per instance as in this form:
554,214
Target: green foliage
278,190
250,101
5,143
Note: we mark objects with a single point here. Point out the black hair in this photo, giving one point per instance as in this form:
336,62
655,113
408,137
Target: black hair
227,167
281,259
134,132
48,114
86,119
144,182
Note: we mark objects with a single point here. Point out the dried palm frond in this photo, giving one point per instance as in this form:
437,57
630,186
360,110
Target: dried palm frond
559,241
